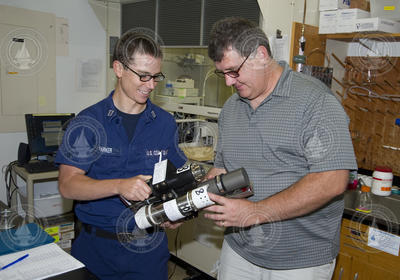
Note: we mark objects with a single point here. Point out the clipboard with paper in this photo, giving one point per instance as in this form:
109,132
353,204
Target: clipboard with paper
28,252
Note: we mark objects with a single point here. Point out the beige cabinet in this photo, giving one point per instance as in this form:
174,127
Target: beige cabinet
27,65
358,261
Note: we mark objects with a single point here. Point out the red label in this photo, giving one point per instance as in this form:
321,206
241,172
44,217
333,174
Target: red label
379,179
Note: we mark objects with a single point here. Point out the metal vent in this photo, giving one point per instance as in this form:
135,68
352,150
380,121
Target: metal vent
216,10
139,14
179,22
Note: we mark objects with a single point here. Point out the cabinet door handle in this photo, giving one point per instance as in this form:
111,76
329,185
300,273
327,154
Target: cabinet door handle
341,273
355,276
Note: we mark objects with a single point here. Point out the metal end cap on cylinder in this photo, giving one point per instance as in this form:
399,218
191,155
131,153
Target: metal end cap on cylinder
236,179
141,219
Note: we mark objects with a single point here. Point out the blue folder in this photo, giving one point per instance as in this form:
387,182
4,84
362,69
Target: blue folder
25,237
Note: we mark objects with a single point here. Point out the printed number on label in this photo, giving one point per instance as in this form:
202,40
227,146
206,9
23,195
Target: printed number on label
199,192
185,208
182,169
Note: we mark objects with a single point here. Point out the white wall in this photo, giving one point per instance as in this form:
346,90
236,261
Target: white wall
281,14
87,39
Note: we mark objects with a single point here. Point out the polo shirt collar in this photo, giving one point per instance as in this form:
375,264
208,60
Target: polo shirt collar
283,83
111,111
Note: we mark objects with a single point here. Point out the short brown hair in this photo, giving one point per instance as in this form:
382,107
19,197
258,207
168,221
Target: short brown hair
134,41
239,33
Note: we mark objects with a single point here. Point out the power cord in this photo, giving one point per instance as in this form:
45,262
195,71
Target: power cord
8,178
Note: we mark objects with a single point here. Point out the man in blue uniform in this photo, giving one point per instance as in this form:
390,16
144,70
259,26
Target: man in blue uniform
110,150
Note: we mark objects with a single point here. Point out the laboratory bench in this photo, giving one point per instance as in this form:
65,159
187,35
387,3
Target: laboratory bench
357,259
198,241
385,211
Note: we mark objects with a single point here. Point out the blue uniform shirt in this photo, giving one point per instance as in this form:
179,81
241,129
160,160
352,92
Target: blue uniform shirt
96,142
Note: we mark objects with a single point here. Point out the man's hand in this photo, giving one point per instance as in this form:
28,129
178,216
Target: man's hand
232,212
171,225
214,172
135,188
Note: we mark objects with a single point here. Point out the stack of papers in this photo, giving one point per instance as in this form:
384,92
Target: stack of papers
42,262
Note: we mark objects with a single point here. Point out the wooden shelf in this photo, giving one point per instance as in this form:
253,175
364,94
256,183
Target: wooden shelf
360,35
316,41
315,50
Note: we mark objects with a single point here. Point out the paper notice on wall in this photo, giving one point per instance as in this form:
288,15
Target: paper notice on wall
279,48
383,241
89,75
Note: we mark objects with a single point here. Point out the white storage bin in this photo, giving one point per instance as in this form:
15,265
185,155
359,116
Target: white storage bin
377,25
327,22
346,19
52,205
47,200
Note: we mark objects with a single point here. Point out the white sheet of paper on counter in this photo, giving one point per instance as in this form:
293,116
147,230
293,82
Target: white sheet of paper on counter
383,241
43,262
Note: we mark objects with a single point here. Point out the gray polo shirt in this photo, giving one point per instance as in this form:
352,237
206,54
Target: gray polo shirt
298,129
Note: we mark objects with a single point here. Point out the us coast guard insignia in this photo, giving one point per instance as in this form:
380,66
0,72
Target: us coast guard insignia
137,240
20,238
24,52
83,140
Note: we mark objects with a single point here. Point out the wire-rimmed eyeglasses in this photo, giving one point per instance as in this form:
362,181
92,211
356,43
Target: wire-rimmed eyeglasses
146,77
231,73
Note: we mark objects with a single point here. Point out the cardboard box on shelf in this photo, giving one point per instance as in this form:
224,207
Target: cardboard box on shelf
346,19
60,223
327,22
67,235
328,5
360,4
65,245
60,227
377,25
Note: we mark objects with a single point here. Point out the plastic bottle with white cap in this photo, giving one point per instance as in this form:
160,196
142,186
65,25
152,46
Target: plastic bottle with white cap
382,179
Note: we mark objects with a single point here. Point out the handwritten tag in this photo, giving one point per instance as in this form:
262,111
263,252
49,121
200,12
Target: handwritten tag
160,171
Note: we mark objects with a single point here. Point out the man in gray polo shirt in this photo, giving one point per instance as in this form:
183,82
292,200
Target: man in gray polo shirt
291,135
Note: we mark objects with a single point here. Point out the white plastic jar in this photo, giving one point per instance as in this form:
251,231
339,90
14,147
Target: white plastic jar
382,179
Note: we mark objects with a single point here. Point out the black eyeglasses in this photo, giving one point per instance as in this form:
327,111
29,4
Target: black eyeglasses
146,77
232,73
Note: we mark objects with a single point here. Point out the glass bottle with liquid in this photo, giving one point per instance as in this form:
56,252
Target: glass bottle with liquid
364,200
